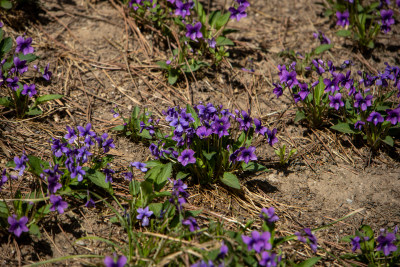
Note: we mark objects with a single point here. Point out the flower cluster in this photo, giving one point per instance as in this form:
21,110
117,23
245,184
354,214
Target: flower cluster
308,237
240,11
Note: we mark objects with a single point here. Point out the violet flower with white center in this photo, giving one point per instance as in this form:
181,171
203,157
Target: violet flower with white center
269,215
46,73
108,173
245,121
343,18
361,102
272,139
183,9
358,125
385,243
257,241
17,226
58,204
143,215
247,155
187,157
139,165
269,259
13,83
192,223
238,13
278,90
375,118
331,85
86,131
387,20
393,115
259,128
78,172
29,90
304,92
355,242
202,132
114,261
193,32
336,101
4,178
19,66
288,78
212,43
24,45
59,148
20,163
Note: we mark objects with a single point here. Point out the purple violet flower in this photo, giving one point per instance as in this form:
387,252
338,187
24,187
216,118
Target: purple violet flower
183,9
29,90
336,101
308,236
19,66
244,3
272,139
223,251
4,178
71,135
269,259
90,203
321,37
343,18
86,131
247,155
17,226
58,204
187,157
193,32
331,85
259,128
13,83
59,148
245,121
257,241
20,163
355,242
143,215
238,13
278,90
358,125
46,73
24,45
128,176
304,92
114,261
78,172
289,78
361,102
387,20
393,115
375,118
139,165
108,172
192,223
203,132
385,243
212,43
220,126
269,215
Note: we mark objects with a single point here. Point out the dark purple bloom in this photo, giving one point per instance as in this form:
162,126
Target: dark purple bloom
202,263
343,18
331,85
206,112
247,155
257,241
140,166
53,184
272,139
308,236
375,118
193,32
187,157
20,163
289,78
154,150
355,242
234,156
71,135
29,90
269,259
345,80
361,102
278,90
13,83
24,45
336,101
58,204
385,243
203,132
393,115
192,223
387,20
90,203
17,226
318,64
113,262
58,148
358,125
321,37
88,141
211,42
4,178
304,92
220,126
46,73
143,215
238,13
269,215
128,176
183,9
86,131
19,65
259,128
179,195
83,154
245,121
223,251
78,172
105,143
244,3
108,172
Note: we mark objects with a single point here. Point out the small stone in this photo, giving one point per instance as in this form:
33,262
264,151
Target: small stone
349,201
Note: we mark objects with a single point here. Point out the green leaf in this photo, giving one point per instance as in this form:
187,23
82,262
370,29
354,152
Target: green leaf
99,179
191,110
37,165
152,174
309,262
172,76
5,45
371,44
214,16
5,101
45,98
343,128
299,116
162,65
28,57
34,112
134,187
322,48
319,92
343,33
253,167
388,140
6,4
118,128
165,173
230,180
153,163
34,229
3,210
192,213
221,40
147,188
222,20
156,208
208,156
182,175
